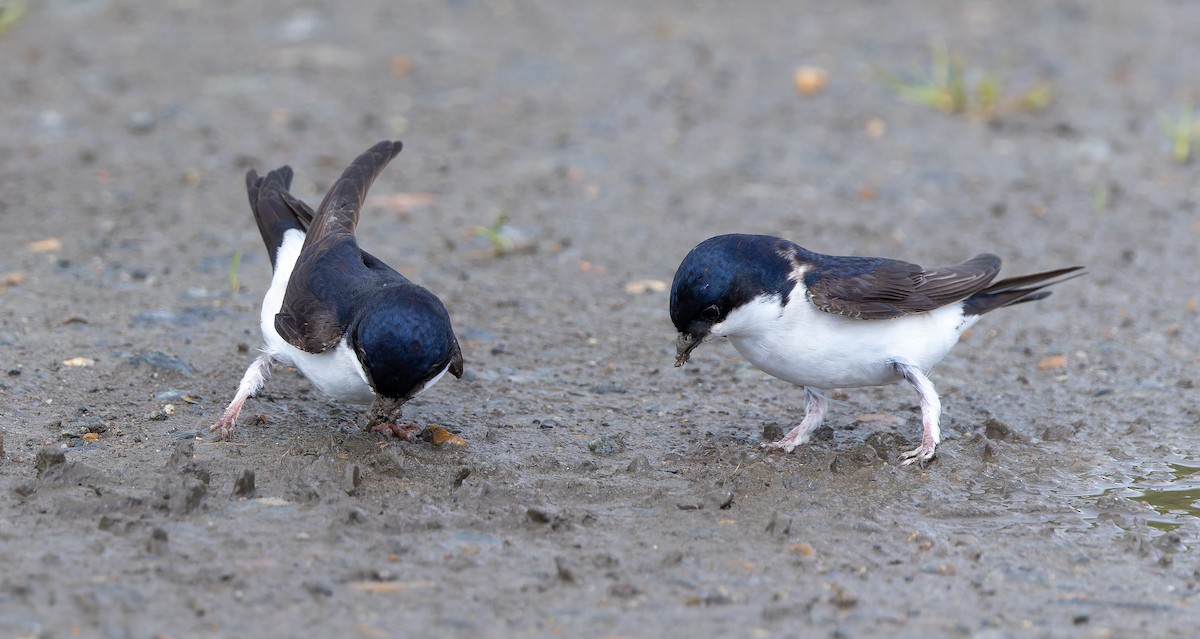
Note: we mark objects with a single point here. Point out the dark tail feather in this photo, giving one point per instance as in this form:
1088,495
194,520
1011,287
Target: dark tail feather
1017,290
342,204
275,209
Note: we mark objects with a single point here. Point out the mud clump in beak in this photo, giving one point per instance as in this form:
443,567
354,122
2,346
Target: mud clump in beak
684,345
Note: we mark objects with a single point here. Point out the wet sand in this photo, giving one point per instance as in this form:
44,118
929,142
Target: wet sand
603,492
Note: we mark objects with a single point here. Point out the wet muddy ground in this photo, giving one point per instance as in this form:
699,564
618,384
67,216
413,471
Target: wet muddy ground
602,492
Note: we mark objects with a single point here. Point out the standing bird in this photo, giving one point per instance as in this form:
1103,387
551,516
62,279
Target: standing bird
360,331
824,321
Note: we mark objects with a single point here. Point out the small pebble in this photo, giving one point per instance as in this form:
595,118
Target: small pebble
810,80
607,445
48,458
140,122
243,486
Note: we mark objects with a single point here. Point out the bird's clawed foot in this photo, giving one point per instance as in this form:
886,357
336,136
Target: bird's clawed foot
921,455
788,442
407,432
224,426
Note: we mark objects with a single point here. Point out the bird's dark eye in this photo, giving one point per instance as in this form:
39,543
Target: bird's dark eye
710,314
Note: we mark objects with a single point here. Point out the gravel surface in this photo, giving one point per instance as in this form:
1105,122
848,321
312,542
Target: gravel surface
602,492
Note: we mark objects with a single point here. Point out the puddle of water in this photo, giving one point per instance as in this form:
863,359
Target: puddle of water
1171,489
1178,497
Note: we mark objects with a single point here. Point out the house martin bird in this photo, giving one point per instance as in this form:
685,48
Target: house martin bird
357,329
824,321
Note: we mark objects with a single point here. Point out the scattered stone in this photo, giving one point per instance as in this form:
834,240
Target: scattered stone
639,287
182,455
243,486
463,474
183,494
776,612
998,430
563,571
160,362
540,515
863,455
605,561
607,389
803,549
843,598
884,443
356,515
624,590
778,525
85,425
1,446
48,245
721,499
1058,432
303,490
318,589
717,599
157,544
1054,362
868,526
639,464
672,558
809,80
352,479
174,395
772,432
607,445
48,458
880,420
140,122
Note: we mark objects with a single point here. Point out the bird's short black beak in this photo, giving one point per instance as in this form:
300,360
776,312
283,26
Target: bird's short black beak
685,344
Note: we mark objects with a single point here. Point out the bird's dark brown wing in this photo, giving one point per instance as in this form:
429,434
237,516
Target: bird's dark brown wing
316,305
879,288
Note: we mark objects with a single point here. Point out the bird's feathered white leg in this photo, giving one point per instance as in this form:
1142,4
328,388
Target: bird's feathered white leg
252,381
815,405
931,412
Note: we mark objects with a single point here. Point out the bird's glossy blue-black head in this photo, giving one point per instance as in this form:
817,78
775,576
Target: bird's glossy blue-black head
404,339
721,274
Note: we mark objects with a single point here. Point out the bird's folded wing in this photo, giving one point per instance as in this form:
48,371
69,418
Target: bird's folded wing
331,269
877,288
317,304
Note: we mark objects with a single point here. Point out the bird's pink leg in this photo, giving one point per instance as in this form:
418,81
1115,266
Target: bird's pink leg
931,412
816,403
252,381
